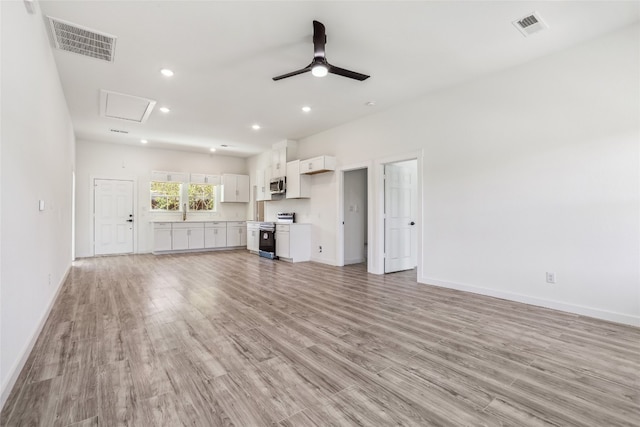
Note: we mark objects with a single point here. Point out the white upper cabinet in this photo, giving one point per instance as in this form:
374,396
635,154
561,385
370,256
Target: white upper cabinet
318,165
235,188
169,176
298,186
282,152
263,178
201,178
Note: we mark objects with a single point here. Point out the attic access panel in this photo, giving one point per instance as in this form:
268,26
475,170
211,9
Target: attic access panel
120,106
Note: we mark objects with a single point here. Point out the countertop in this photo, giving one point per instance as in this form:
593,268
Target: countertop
198,220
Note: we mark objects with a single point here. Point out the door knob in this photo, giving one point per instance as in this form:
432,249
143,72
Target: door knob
129,220
412,223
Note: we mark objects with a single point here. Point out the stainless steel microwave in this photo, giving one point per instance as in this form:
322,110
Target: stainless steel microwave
278,185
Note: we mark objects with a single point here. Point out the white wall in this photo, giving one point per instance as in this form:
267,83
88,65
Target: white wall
100,160
36,164
530,170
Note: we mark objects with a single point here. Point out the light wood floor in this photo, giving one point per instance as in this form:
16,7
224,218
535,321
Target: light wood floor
231,339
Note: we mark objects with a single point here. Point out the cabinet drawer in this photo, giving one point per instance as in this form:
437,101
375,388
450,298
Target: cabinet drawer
215,224
236,223
162,225
283,228
179,225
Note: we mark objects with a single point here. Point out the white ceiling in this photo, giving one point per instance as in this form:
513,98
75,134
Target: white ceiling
224,54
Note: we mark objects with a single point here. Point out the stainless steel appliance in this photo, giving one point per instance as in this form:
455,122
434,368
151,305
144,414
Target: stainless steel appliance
286,217
278,185
267,245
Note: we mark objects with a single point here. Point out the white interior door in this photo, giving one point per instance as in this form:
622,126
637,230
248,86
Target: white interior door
113,216
400,194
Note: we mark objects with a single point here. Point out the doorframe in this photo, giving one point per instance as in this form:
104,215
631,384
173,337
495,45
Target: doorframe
92,207
379,242
368,166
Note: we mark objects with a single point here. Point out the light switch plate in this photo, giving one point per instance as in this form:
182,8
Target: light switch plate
40,205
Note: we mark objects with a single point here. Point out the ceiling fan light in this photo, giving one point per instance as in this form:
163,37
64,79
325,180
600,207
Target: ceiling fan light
319,70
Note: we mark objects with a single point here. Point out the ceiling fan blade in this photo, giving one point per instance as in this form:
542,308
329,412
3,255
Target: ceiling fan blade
347,73
319,39
293,73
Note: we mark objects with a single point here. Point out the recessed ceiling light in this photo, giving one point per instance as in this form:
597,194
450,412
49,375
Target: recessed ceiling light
164,109
143,141
212,149
370,103
166,72
306,108
255,126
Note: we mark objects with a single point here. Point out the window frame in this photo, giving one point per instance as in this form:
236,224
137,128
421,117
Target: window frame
167,196
214,197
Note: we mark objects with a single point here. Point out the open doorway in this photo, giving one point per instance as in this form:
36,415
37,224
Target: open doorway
355,216
400,215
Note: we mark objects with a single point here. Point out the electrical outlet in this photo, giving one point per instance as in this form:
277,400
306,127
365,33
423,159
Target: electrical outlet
551,277
49,279
320,249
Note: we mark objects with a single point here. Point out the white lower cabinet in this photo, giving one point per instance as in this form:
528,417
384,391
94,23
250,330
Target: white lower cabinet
236,234
162,236
253,236
215,235
182,236
293,242
188,236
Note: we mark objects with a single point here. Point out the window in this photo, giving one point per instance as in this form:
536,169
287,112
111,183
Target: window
202,197
165,196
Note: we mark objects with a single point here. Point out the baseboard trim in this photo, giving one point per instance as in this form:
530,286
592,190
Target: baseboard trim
541,302
354,261
19,365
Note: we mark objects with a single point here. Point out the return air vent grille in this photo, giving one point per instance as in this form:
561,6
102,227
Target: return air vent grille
83,41
119,131
530,24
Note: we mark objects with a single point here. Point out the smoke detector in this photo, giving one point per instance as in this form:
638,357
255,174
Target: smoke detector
81,40
530,24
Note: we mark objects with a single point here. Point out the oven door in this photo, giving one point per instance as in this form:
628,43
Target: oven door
267,241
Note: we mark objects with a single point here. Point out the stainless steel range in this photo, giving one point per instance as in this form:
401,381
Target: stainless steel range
267,245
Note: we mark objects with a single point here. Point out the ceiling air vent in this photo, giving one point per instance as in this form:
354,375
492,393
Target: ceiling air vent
530,24
83,41
119,131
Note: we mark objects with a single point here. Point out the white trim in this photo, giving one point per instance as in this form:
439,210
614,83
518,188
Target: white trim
541,302
92,179
376,246
354,261
22,360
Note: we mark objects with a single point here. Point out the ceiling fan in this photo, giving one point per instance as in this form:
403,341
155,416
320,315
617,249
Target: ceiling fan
319,67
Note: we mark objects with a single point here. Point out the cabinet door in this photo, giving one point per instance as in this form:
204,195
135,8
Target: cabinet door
233,238
198,178
196,238
263,179
180,237
228,193
253,242
242,188
282,244
278,162
162,239
210,237
243,236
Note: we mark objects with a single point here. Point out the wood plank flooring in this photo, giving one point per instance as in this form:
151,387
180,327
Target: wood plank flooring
231,339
